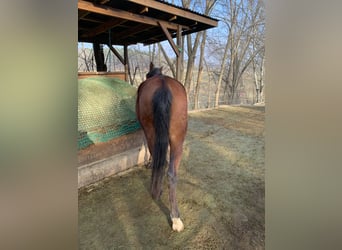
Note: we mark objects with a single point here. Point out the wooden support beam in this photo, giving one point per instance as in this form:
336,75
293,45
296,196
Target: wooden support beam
109,11
84,14
145,9
91,20
116,53
176,11
132,31
169,38
104,27
126,64
172,18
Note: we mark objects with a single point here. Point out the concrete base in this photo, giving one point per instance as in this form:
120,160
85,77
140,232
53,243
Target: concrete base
120,154
96,171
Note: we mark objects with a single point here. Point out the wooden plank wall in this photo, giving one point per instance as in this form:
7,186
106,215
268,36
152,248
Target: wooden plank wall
119,75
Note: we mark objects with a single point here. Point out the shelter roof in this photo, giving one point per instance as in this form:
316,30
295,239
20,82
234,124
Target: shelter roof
126,22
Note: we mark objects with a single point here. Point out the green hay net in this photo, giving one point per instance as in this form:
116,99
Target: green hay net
106,110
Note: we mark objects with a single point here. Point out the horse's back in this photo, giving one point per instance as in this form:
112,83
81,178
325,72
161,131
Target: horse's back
179,106
148,88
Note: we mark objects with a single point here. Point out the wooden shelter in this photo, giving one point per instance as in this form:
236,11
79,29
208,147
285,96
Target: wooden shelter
127,22
124,23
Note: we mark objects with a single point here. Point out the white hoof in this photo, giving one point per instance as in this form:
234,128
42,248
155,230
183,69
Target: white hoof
177,224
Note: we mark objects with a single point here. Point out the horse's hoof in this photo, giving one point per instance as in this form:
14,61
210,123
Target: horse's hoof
177,224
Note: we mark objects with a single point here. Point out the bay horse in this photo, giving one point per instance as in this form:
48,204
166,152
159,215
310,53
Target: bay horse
162,110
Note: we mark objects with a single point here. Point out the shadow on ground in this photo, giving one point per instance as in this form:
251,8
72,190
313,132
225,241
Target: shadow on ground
220,192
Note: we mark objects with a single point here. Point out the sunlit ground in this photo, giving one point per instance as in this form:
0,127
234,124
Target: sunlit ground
220,192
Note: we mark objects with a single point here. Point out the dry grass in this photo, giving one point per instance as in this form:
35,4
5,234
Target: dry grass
220,192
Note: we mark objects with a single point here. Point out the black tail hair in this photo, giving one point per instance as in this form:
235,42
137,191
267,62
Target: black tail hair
161,102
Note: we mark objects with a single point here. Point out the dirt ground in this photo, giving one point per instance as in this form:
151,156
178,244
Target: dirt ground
221,192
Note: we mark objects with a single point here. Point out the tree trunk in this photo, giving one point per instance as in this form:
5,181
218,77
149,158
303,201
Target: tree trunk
223,64
200,69
209,84
192,50
171,66
258,78
261,81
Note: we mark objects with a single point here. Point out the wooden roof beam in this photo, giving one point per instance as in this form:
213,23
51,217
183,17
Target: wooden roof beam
91,19
172,18
145,9
131,32
152,39
84,14
108,11
176,11
104,27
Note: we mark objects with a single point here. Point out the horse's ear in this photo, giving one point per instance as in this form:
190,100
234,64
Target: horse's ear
151,66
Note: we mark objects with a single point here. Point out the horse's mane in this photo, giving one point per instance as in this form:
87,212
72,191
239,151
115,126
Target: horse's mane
154,71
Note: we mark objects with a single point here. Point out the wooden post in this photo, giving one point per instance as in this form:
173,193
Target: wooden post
128,76
99,57
126,62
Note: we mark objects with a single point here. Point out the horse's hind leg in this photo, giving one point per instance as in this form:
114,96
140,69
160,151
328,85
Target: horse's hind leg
149,135
175,157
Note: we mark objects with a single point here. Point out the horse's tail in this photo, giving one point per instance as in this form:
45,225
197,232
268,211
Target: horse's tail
161,101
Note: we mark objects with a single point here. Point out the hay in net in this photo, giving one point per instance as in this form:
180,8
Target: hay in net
106,110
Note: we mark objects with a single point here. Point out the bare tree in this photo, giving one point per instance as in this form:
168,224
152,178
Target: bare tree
242,18
86,61
258,73
192,46
258,62
168,60
209,72
152,53
223,66
200,69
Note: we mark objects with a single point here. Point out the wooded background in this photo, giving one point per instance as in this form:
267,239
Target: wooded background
223,65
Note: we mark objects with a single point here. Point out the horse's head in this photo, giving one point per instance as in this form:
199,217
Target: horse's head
154,71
